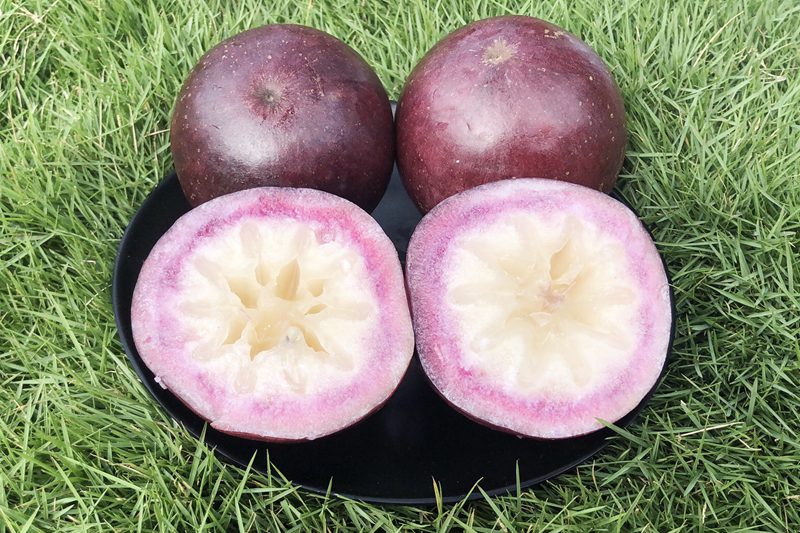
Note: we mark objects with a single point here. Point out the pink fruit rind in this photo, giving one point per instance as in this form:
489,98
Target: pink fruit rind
162,344
439,345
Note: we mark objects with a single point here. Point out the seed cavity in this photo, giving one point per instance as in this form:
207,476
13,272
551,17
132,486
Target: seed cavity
288,281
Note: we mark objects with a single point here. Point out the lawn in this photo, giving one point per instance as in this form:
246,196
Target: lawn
712,91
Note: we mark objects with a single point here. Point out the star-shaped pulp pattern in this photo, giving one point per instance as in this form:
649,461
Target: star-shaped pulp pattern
277,312
550,289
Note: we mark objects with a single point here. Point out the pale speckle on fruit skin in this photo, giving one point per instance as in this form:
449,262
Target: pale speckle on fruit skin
498,52
439,348
452,86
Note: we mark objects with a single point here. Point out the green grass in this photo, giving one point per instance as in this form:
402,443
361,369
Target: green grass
712,91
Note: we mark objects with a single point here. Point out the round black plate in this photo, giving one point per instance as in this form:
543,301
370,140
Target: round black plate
394,455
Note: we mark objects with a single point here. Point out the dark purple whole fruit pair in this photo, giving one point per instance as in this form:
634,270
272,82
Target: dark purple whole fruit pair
279,312
287,105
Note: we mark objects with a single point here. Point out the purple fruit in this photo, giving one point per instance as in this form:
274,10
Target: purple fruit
508,97
283,105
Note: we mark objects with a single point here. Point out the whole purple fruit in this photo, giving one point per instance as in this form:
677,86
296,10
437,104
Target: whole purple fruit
508,97
283,105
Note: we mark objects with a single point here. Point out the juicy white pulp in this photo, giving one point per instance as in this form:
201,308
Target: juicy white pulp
277,308
544,305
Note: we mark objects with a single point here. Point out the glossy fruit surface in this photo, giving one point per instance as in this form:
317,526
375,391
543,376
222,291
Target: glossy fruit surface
283,105
508,97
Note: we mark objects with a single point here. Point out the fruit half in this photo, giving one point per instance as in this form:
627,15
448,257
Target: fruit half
540,307
275,313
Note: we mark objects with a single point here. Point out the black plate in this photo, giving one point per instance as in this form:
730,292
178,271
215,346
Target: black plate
392,456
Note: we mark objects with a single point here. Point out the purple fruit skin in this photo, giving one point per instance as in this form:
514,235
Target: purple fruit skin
283,105
507,97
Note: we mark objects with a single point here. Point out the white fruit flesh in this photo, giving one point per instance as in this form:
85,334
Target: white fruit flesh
544,304
275,313
277,309
540,307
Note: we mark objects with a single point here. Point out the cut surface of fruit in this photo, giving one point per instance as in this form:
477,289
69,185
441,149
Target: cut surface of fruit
540,307
275,313
536,286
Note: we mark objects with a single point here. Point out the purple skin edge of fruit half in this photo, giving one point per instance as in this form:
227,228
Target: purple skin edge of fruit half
283,105
354,423
157,335
265,438
431,241
508,97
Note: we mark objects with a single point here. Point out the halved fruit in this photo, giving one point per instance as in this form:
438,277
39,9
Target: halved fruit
275,313
540,307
